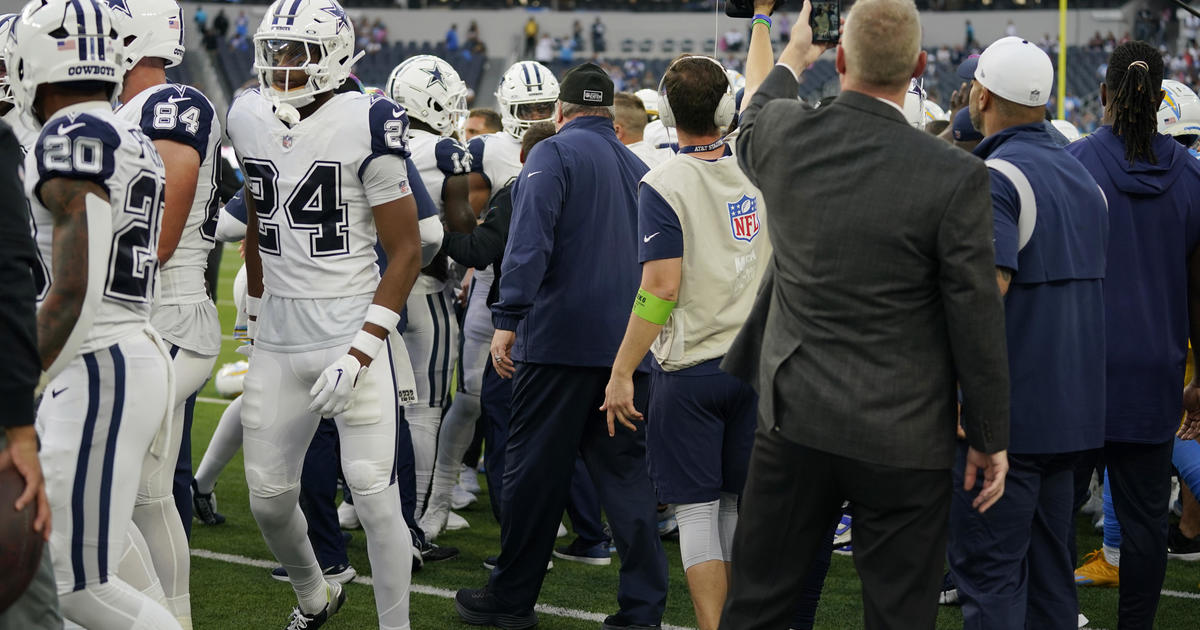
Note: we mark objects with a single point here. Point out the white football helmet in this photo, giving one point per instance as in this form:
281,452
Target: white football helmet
431,91
1068,130
62,41
527,93
1179,112
649,101
933,112
914,104
6,23
736,79
303,48
149,28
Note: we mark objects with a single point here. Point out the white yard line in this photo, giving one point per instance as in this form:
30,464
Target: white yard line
422,589
213,401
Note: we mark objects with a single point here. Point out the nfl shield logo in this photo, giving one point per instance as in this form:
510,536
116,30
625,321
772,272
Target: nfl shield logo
743,218
287,142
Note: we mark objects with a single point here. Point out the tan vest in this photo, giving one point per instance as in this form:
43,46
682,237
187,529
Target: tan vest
725,252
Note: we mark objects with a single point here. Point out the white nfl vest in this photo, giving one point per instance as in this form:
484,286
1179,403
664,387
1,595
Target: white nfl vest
725,253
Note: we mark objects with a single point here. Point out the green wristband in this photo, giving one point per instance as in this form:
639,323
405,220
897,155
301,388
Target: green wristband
652,308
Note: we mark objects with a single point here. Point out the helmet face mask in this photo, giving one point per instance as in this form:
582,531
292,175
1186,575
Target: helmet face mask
527,95
431,91
302,49
6,24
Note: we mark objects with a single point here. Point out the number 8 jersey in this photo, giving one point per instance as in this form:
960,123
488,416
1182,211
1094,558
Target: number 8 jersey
86,141
313,186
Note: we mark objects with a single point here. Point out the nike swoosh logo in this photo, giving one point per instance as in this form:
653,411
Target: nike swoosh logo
62,131
532,174
646,239
176,99
55,393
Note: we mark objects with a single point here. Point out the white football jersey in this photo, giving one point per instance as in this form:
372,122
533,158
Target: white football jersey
87,141
659,135
25,135
497,156
436,158
183,114
316,230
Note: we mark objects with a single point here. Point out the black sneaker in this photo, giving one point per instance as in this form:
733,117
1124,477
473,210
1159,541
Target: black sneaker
618,622
301,621
949,594
433,553
579,551
205,507
1181,547
479,607
340,573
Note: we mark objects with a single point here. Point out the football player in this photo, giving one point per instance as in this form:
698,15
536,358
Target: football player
435,98
9,113
95,188
527,93
325,178
182,124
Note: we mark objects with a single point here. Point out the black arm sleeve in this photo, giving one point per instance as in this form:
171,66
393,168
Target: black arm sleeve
21,367
485,244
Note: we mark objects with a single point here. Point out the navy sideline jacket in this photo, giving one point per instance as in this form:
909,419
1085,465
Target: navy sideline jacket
571,269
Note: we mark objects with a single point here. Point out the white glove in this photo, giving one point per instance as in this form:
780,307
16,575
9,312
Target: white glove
331,393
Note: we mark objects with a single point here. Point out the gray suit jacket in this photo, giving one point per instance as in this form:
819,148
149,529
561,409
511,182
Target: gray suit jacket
882,293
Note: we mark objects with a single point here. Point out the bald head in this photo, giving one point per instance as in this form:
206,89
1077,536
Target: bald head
881,43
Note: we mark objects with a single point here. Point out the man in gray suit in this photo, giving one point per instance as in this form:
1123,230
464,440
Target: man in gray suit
882,296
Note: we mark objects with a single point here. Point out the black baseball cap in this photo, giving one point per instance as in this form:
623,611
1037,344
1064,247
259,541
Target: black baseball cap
587,84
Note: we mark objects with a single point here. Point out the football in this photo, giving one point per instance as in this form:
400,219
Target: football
230,377
20,546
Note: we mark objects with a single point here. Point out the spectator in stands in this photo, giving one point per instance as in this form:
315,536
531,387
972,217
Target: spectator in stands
566,51
201,18
379,33
221,24
970,35
785,28
544,54
452,39
577,35
1010,30
242,26
732,40
481,121
598,45
531,40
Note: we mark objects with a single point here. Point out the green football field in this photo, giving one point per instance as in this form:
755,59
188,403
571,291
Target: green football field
231,587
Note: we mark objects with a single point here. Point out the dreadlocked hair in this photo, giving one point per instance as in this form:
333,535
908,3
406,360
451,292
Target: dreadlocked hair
1134,81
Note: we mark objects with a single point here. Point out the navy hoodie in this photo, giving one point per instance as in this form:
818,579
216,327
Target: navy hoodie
570,269
1154,226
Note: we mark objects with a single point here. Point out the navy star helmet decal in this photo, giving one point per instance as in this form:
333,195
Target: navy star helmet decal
435,76
120,5
337,12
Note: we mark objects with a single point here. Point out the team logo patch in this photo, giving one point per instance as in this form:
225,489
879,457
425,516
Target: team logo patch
593,96
743,218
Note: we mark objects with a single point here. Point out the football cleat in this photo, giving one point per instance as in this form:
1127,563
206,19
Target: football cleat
205,506
302,621
1096,571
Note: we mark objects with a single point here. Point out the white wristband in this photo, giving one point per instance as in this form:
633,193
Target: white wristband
252,305
367,344
383,317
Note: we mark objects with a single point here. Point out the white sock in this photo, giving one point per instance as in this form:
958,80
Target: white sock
225,443
115,605
454,437
423,424
389,548
137,569
1112,555
160,524
286,533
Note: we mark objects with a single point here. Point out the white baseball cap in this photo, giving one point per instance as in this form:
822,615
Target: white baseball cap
1016,70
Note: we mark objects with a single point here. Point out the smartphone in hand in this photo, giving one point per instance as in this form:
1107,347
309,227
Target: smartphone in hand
825,21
